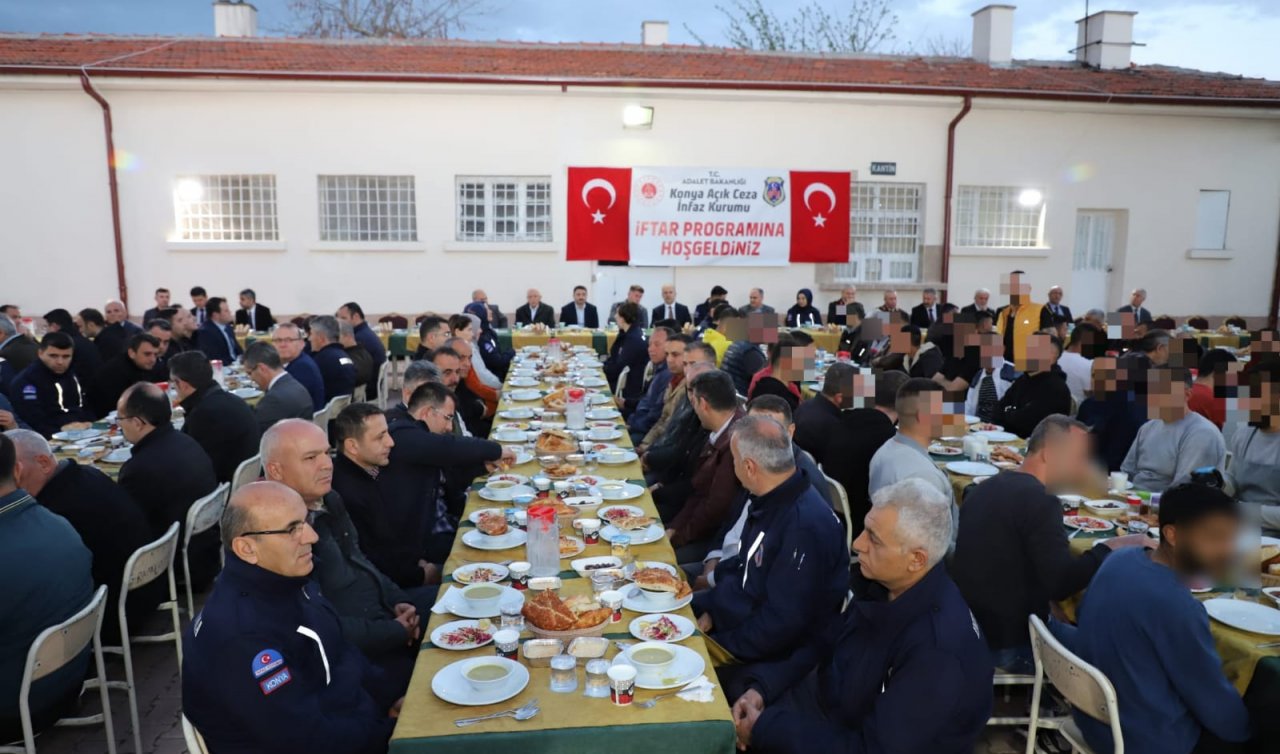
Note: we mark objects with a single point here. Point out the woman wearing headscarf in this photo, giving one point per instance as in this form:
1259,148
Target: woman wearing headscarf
494,357
804,312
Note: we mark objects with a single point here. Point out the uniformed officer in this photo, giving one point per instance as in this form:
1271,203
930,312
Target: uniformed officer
47,394
336,368
266,668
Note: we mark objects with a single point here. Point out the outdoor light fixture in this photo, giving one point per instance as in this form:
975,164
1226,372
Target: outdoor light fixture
637,116
190,190
1030,198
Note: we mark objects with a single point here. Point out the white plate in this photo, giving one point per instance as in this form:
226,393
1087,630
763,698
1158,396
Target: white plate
508,476
475,515
650,533
77,435
603,413
523,412
119,455
974,428
1246,616
522,457
454,603
688,666
513,538
604,561
596,399
593,382
614,434
1071,523
579,546
682,623
449,685
526,395
630,510
510,435
629,492
444,628
627,457
1269,541
591,480
997,435
1072,501
462,573
944,450
636,602
1105,506
523,382
971,419
972,468
1273,592
503,496
246,392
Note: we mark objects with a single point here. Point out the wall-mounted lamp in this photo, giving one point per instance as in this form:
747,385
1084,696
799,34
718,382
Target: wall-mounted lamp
637,116
1030,198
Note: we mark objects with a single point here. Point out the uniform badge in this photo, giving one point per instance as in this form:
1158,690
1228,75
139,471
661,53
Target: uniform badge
29,393
274,682
266,661
774,190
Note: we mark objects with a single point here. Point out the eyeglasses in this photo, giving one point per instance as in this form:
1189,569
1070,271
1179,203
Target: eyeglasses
294,530
287,340
444,415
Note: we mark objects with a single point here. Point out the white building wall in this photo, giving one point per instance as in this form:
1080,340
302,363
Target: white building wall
56,199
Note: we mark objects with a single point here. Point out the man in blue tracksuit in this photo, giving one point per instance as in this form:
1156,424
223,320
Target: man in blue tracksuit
47,395
266,667
791,569
904,670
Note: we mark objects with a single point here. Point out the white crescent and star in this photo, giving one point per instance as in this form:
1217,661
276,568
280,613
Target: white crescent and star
597,217
819,220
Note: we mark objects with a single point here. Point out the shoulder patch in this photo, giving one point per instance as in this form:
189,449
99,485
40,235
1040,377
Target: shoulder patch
266,661
29,392
273,683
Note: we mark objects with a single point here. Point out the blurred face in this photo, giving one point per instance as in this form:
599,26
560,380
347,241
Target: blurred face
302,462
797,363
848,294
145,357
634,296
437,337
755,298
668,294
1103,378
579,296
288,341
164,336
287,553
373,448
450,370
657,347
533,298
882,555
114,312
183,324
928,298
162,299
1055,294
1264,404
890,300
1166,399
199,301
439,419
1041,353
674,352
900,342
246,302
1137,298
1204,548
980,299
58,360
1067,460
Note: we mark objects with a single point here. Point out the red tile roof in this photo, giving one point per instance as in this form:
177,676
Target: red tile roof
617,65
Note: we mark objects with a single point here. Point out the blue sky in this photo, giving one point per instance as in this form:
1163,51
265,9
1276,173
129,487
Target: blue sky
1234,36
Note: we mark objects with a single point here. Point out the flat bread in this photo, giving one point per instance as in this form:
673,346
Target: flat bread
631,523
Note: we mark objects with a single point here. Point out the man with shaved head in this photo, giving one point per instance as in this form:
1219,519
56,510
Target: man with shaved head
376,615
266,666
116,332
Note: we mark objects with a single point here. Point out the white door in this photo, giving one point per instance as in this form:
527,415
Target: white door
1092,261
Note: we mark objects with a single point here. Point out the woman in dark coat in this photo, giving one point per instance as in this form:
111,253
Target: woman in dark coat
804,312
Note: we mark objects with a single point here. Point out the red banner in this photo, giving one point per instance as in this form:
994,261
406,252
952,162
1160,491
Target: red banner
820,217
599,214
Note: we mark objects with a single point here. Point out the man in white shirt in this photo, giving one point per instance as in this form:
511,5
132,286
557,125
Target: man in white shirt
579,311
1055,305
284,397
1077,361
988,388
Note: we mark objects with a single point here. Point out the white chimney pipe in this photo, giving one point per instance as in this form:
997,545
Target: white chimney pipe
993,35
1105,39
654,33
232,18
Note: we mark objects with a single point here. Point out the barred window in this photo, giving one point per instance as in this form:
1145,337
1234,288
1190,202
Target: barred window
886,227
504,209
226,208
999,216
367,208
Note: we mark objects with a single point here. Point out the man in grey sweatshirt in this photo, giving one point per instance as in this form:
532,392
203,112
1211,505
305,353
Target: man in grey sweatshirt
1175,441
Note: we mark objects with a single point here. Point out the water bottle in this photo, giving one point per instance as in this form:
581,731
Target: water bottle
216,366
553,350
575,408
543,547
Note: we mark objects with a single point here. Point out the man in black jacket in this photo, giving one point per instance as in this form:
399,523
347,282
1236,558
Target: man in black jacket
579,311
116,330
222,423
1042,390
861,432
15,347
136,364
252,314
167,472
1012,556
818,419
336,368
47,395
670,309
535,311
86,361
366,372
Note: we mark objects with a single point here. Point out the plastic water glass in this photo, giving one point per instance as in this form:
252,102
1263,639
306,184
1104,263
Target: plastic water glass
564,674
620,548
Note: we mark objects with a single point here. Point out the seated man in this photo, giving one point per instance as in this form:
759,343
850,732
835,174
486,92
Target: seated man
579,311
469,413
1141,626
669,458
47,580
635,294
818,418
416,373
433,331
257,317
283,396
1040,391
289,341
1212,386
677,347
266,666
47,395
534,311
1012,555
644,412
115,331
337,370
1255,447
353,313
861,432
471,390
366,372
790,570
135,364
906,455
1113,411
216,338
167,472
376,615
988,385
1175,441
222,423
904,669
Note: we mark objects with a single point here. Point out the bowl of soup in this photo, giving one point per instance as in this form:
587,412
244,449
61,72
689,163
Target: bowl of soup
612,489
484,673
482,596
652,659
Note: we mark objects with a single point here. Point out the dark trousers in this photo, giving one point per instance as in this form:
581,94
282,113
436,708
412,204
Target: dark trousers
1211,744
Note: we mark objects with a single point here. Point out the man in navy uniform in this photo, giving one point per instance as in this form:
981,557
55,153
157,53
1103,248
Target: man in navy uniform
266,667
47,395
336,368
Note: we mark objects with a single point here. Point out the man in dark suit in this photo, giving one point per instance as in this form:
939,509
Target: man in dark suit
497,319
336,368
533,310
924,314
289,342
981,299
283,396
223,424
215,338
199,298
817,420
703,312
136,364
253,314
635,294
838,310
167,471
162,303
117,330
670,309
1141,314
579,311
890,306
1059,310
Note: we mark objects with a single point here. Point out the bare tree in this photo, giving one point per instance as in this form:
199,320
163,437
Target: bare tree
938,46
863,26
397,19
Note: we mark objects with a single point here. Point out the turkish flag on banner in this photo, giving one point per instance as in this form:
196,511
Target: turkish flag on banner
820,216
599,214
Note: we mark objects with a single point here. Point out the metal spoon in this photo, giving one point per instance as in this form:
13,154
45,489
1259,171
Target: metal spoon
519,713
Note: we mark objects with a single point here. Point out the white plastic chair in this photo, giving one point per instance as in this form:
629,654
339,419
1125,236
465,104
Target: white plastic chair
384,384
52,649
195,741
1081,684
145,565
842,497
247,472
330,410
202,516
621,384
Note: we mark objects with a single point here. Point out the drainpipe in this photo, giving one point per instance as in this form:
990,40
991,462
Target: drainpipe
946,207
1274,313
111,180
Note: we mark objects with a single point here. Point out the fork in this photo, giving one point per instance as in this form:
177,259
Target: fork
519,713
650,703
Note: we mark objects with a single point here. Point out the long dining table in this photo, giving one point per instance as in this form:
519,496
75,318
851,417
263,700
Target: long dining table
567,722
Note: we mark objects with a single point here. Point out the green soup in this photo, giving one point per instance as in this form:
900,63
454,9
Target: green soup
651,656
487,673
484,593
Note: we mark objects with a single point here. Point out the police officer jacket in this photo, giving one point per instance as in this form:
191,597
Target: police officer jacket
48,401
336,369
266,669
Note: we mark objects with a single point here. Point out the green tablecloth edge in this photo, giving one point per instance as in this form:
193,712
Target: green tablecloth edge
709,736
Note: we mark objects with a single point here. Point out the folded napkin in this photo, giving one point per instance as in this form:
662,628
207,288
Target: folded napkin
442,601
699,690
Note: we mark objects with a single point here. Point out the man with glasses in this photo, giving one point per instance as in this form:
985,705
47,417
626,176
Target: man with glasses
289,342
283,396
267,666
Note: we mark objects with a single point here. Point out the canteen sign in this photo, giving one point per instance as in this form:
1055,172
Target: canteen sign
665,216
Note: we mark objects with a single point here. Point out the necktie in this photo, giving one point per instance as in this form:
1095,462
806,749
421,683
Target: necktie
671,312
930,315
987,400
253,319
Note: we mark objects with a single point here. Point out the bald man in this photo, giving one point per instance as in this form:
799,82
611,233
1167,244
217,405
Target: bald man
266,666
111,340
670,309
535,311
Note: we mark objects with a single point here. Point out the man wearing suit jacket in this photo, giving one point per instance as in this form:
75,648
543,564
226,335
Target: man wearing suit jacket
199,297
755,303
497,319
890,306
215,337
634,294
579,311
703,312
670,309
155,312
924,314
533,310
981,299
1141,314
1056,307
839,310
253,314
283,396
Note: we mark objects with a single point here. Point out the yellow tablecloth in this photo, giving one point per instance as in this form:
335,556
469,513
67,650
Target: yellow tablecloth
522,338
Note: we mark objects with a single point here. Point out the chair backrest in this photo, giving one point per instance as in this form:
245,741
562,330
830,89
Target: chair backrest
336,405
384,384
249,471
622,379
841,498
58,645
1082,685
151,561
204,513
195,741
1198,322
321,419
